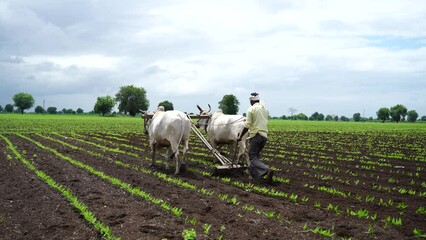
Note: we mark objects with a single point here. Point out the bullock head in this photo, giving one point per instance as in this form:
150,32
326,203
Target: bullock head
147,118
204,119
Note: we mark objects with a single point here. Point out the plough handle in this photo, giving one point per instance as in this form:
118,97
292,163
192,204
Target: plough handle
216,153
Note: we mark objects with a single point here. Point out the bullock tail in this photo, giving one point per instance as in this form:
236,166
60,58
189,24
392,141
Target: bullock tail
180,136
182,120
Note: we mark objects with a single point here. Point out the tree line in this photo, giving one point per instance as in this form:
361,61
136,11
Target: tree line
24,101
131,100
396,113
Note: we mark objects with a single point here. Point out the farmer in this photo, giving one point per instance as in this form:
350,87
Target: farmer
257,123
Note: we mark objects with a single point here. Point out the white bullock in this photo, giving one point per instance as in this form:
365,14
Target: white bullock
224,129
169,129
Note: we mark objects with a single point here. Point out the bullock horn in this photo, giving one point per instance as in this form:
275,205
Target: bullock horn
199,108
210,108
143,113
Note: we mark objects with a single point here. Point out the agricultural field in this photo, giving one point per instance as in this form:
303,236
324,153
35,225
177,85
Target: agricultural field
89,177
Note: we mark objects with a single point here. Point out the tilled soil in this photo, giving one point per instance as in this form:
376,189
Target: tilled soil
30,209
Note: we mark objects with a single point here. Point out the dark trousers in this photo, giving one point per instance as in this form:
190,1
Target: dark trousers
257,167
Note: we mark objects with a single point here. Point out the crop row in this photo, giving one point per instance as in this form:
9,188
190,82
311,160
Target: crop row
126,147
324,177
89,216
292,197
133,190
380,200
222,196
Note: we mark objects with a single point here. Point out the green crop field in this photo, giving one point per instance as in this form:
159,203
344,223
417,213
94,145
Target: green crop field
332,126
67,123
81,123
336,180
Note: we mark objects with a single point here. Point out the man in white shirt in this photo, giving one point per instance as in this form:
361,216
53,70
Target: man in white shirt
257,123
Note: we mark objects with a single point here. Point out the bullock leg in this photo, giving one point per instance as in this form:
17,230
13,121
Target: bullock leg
217,147
153,148
183,158
243,153
153,145
177,164
176,156
167,158
153,158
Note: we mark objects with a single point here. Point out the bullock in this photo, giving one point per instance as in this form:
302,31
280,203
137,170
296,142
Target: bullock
169,129
223,129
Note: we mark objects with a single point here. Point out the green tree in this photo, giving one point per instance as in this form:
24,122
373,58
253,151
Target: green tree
336,118
229,104
79,111
383,114
412,116
344,119
104,105
1,109
321,117
39,109
314,116
397,112
52,110
301,116
167,105
23,101
423,118
328,117
132,99
357,117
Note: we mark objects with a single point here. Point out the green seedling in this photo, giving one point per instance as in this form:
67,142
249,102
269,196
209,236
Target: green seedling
189,234
206,228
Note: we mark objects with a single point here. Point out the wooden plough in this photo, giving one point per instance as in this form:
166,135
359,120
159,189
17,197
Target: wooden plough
226,163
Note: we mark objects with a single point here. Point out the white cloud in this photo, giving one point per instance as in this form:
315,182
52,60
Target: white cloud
329,56
89,61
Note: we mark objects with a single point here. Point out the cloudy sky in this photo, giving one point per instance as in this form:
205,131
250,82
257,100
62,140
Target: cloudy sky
331,56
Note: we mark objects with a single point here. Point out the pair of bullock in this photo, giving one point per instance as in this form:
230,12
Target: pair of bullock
171,128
